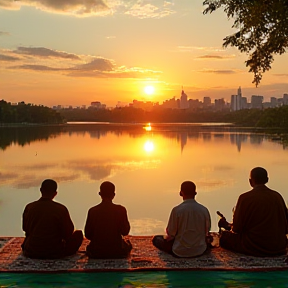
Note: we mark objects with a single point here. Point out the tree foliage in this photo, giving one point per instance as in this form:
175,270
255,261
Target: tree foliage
262,30
267,118
28,113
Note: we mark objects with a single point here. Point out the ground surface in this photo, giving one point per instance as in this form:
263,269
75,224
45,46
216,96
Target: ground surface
144,256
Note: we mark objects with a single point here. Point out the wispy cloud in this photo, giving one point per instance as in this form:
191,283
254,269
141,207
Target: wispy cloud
97,64
281,75
143,9
45,52
35,67
190,49
82,8
215,57
215,71
8,58
75,7
122,72
40,59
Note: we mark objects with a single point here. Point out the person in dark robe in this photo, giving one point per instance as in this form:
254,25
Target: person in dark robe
106,225
49,230
260,220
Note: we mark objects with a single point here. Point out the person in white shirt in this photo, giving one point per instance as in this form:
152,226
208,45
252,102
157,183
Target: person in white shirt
188,227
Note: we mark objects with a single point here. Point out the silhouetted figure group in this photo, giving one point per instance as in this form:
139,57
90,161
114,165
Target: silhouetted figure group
259,228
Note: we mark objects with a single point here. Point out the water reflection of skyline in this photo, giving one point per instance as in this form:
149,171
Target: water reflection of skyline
147,168
27,135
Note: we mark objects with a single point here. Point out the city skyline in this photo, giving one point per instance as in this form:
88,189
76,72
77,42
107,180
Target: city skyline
71,54
184,101
237,102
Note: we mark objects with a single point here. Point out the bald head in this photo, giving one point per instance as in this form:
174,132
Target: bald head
258,175
48,188
107,190
188,189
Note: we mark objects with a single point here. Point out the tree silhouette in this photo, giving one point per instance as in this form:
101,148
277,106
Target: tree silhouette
262,30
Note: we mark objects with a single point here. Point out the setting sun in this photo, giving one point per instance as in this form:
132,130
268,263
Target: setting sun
149,90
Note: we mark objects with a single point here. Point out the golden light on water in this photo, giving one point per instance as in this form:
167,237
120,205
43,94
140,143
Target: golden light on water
147,127
149,146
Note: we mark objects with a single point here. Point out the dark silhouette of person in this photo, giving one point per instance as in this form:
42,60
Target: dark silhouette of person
106,225
188,226
49,231
260,220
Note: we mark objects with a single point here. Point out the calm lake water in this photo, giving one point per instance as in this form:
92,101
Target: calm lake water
146,165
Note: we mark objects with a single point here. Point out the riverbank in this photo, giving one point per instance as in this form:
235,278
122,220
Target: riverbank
144,257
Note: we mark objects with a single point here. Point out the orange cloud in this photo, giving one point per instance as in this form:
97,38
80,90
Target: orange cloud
47,60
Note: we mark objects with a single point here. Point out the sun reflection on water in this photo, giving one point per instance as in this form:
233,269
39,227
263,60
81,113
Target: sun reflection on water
149,146
148,127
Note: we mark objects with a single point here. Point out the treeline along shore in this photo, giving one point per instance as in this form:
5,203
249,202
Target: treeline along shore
34,114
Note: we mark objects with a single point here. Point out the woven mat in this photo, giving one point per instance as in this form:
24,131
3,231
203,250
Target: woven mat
144,256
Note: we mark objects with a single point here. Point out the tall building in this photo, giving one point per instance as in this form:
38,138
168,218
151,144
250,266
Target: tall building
273,101
236,101
256,101
96,104
219,104
194,103
206,101
184,100
170,103
244,103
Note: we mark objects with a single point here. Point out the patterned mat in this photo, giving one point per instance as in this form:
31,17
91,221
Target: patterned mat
144,256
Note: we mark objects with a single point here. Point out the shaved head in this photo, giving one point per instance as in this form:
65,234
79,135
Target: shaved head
259,175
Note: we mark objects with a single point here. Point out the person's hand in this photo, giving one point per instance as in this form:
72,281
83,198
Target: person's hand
168,237
222,223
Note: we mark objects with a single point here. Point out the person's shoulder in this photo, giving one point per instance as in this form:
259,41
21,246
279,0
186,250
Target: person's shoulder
119,207
275,193
93,208
31,204
179,206
246,194
59,205
201,206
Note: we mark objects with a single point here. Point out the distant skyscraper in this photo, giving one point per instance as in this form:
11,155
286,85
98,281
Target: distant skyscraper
273,101
244,103
236,101
170,103
239,92
219,104
206,101
184,100
256,101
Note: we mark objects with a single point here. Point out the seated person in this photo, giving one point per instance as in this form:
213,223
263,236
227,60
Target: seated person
106,225
49,231
260,220
188,227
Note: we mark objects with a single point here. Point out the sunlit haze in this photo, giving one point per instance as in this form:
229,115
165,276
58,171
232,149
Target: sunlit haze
149,90
54,53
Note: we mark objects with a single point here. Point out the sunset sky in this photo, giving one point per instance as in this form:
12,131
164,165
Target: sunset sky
73,52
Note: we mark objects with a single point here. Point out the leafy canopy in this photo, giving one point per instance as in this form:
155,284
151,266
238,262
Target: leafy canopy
262,30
